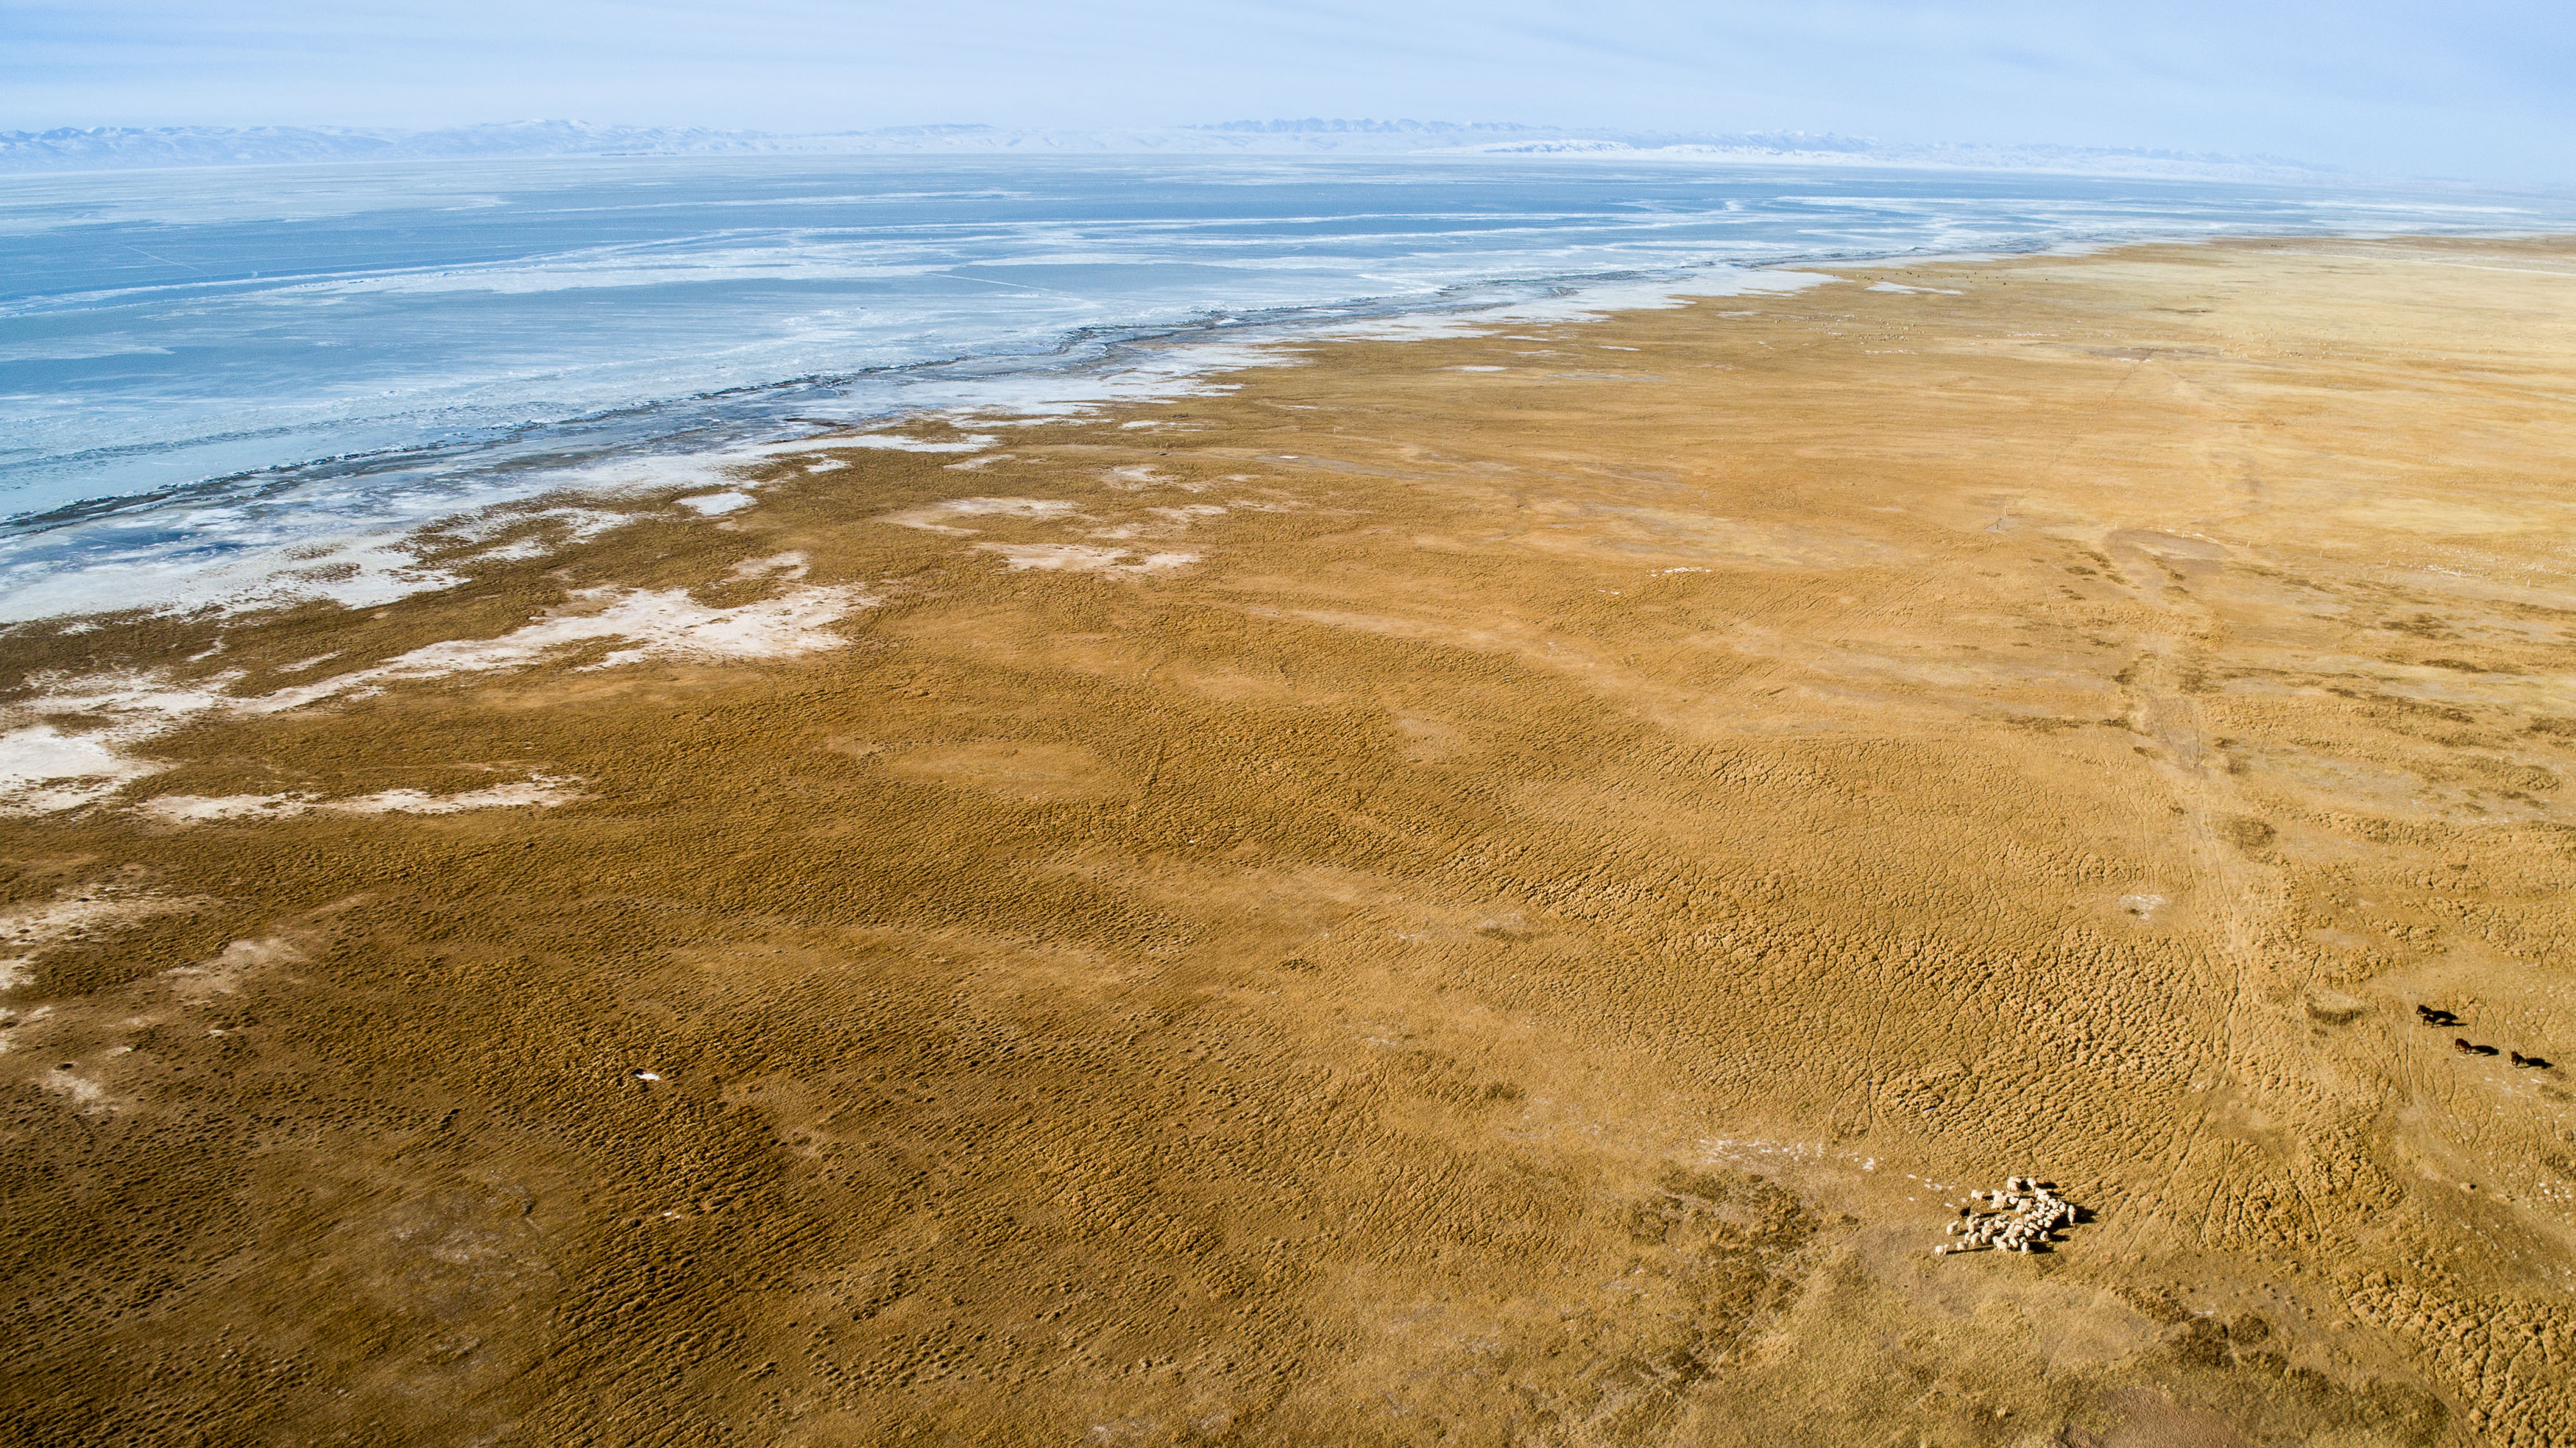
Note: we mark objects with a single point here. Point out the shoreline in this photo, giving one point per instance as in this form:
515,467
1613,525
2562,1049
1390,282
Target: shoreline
1058,383
518,461
1513,876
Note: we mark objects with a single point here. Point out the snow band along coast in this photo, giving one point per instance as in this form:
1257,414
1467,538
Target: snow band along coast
239,387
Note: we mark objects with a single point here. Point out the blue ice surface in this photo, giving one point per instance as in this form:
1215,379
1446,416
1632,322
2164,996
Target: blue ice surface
195,363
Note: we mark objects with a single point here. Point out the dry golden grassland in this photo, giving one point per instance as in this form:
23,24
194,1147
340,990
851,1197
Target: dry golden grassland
1493,890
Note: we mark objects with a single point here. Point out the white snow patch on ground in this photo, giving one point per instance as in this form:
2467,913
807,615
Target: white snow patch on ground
558,528
72,913
189,809
526,550
82,1090
541,791
655,623
47,766
568,524
790,565
934,517
241,559
222,975
43,768
1588,303
363,570
972,442
709,505
651,473
1083,558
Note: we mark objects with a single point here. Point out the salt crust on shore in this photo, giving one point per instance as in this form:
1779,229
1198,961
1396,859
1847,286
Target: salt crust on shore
45,766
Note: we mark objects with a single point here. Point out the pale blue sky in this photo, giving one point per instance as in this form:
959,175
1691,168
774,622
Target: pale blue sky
2473,87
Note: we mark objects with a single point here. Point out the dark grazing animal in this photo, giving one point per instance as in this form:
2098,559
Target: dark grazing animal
2436,1016
2534,1062
2461,1045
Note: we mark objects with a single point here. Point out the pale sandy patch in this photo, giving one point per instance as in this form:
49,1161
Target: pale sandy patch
1084,558
936,517
1169,521
2448,516
1043,772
